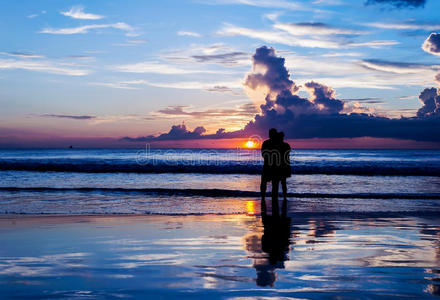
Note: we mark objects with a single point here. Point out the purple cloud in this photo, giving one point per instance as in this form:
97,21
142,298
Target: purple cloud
432,44
320,116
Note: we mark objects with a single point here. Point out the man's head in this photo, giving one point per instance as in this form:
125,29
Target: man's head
273,133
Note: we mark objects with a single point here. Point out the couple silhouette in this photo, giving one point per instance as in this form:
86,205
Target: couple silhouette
276,169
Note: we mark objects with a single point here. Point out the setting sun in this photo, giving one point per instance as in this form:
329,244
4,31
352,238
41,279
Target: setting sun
250,144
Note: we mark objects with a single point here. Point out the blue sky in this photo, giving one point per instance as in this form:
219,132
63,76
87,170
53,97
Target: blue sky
120,68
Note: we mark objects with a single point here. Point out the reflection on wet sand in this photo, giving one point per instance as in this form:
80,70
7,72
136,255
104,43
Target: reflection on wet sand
319,247
224,256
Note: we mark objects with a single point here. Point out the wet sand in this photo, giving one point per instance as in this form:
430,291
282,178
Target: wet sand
218,256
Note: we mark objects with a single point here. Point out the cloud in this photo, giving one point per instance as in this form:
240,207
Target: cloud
244,110
374,44
316,29
321,115
437,78
404,26
42,66
177,132
208,54
397,67
231,58
86,28
22,54
285,36
280,37
430,99
283,4
73,117
195,85
274,79
399,3
156,67
188,33
77,12
432,44
126,85
135,42
222,89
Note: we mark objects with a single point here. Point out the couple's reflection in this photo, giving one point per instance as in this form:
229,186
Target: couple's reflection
275,243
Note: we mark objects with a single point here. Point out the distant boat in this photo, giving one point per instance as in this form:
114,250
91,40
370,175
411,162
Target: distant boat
70,147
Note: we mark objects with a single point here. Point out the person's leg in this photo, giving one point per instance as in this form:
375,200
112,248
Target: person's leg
284,187
275,205
263,187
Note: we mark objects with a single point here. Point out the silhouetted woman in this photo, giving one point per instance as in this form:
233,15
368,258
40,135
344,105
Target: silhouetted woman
284,168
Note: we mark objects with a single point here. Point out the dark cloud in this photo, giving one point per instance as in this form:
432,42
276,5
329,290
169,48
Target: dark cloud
177,132
399,3
432,44
180,132
230,58
394,67
246,110
320,116
430,98
22,54
323,97
69,117
222,89
437,78
369,100
275,78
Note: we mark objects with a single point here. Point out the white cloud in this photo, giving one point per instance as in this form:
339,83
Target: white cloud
404,26
283,4
189,33
196,85
314,29
374,44
126,85
135,42
187,85
159,68
293,37
86,28
42,66
276,37
22,54
342,54
77,12
398,68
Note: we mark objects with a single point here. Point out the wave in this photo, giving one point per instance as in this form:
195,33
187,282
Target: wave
353,168
222,193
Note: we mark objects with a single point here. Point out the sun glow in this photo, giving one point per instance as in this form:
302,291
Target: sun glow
250,144
250,207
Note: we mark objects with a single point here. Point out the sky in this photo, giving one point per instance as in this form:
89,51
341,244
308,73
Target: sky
121,73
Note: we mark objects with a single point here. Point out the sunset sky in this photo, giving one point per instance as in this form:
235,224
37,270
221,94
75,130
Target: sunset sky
99,71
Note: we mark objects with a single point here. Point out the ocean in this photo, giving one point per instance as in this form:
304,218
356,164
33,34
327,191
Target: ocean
186,223
213,181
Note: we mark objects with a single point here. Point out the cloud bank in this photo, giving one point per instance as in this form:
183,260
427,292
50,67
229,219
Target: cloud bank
321,115
432,44
399,3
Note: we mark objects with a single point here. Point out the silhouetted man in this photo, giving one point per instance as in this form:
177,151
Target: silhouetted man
272,159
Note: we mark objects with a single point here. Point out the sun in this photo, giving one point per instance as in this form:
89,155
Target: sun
250,144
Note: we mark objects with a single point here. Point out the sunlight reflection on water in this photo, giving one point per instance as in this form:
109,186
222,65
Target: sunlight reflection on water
224,256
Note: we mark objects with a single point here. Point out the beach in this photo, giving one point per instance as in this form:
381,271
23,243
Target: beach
221,257
95,224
